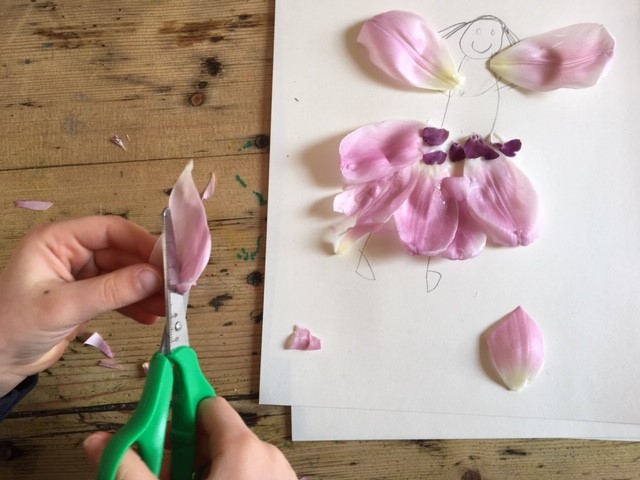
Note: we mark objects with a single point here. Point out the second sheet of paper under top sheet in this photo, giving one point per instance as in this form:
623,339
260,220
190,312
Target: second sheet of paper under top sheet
400,342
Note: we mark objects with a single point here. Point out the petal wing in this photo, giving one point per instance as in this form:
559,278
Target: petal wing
571,57
407,49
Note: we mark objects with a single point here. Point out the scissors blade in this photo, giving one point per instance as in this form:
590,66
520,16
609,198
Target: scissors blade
176,332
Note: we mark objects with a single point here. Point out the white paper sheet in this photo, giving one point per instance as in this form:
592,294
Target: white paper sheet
399,343
318,424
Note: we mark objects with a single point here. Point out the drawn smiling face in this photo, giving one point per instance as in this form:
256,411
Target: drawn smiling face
482,38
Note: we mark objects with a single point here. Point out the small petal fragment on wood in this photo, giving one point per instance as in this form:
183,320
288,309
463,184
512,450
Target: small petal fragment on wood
516,348
96,340
33,204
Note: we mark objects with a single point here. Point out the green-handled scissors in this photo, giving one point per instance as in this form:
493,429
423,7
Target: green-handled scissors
174,373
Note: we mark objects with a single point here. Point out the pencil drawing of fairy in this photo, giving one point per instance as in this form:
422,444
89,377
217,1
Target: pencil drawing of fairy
472,43
475,42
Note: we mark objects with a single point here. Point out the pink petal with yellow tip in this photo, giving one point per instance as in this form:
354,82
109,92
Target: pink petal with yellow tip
408,50
571,57
516,348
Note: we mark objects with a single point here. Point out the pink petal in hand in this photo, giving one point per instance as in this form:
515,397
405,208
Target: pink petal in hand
503,200
516,348
407,49
193,240
571,57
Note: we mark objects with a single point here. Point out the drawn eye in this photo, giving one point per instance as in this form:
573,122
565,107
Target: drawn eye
478,31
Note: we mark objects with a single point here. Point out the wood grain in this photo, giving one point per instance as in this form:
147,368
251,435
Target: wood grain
181,80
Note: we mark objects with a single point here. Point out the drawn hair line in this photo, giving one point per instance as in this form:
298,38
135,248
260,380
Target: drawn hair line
453,29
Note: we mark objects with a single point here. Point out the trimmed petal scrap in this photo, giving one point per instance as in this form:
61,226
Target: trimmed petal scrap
504,201
407,49
96,340
516,348
302,339
571,57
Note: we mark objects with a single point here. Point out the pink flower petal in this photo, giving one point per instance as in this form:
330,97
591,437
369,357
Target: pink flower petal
118,141
373,203
470,238
33,204
302,339
571,57
503,200
516,348
210,188
96,340
193,239
427,221
407,49
380,149
110,364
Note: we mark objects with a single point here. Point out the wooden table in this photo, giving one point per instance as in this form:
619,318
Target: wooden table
181,80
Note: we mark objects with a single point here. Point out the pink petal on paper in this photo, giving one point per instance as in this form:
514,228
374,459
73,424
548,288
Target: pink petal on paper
427,221
373,203
302,339
407,49
516,348
571,57
33,204
96,340
504,201
210,188
470,238
193,239
380,149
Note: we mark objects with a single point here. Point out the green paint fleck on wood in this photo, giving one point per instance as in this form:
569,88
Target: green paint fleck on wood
245,255
261,198
247,144
241,181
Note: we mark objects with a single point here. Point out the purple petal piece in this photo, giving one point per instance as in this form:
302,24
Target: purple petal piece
503,200
380,149
474,147
435,136
437,157
571,57
490,154
456,152
509,148
407,49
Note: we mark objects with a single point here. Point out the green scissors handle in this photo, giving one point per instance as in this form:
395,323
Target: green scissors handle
147,426
191,387
178,372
